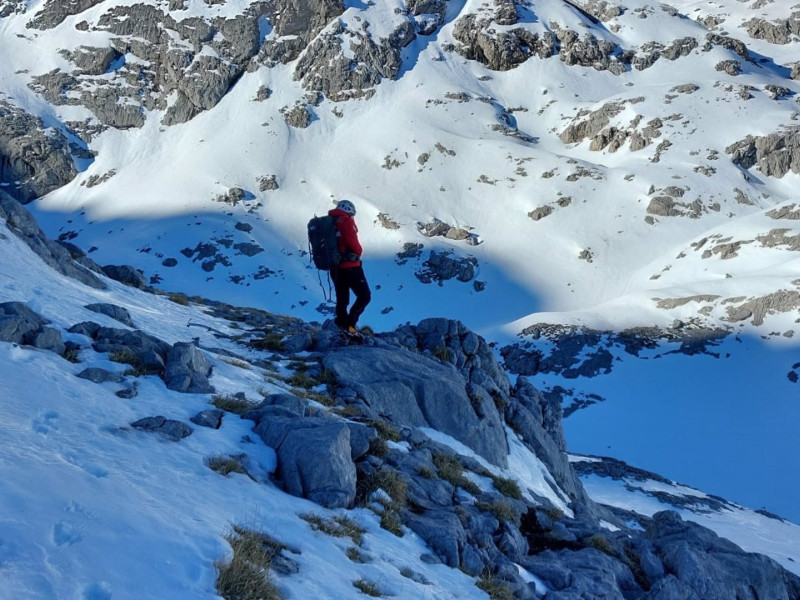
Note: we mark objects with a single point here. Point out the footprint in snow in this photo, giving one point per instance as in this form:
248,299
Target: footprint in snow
45,423
97,591
93,470
66,534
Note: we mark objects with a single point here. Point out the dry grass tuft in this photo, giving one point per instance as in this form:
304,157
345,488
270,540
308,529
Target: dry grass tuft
246,576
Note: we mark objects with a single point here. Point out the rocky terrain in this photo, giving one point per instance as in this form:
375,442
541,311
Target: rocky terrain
368,435
585,185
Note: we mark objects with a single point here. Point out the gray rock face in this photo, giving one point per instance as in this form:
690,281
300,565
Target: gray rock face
21,325
187,370
713,568
777,32
304,19
501,50
18,323
775,154
314,458
413,390
22,224
341,72
194,61
126,274
538,421
34,160
55,11
442,531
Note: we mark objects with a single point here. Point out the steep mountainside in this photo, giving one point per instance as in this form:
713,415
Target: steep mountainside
607,191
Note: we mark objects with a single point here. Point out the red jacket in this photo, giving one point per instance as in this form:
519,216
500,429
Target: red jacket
348,239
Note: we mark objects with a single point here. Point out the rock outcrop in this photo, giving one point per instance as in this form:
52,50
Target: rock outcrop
775,154
22,224
34,159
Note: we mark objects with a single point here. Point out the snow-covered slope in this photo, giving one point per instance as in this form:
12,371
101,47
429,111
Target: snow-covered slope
591,159
96,509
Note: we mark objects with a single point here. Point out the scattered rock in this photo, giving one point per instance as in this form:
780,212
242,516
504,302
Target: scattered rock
169,429
117,313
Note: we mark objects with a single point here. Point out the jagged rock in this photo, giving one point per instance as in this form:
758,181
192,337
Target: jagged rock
21,325
209,418
757,308
345,62
268,183
34,159
775,154
592,123
126,274
55,11
91,60
541,212
98,375
297,116
314,458
791,212
588,51
117,313
537,420
442,531
169,429
187,370
412,390
777,32
304,18
442,266
709,567
183,67
500,50
731,67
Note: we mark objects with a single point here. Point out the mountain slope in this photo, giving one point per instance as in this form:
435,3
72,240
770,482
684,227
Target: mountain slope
119,506
574,180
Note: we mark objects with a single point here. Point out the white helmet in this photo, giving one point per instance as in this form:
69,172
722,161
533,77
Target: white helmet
347,207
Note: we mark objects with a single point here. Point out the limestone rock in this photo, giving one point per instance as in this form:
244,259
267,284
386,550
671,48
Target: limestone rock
34,160
187,370
412,390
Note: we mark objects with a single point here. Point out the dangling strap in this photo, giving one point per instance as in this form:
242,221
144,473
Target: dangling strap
329,296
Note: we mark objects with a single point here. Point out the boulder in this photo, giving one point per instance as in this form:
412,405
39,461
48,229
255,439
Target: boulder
126,274
442,531
98,375
209,418
187,370
413,390
714,568
314,458
18,323
169,429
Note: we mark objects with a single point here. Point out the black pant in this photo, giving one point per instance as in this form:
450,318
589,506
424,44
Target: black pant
345,280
